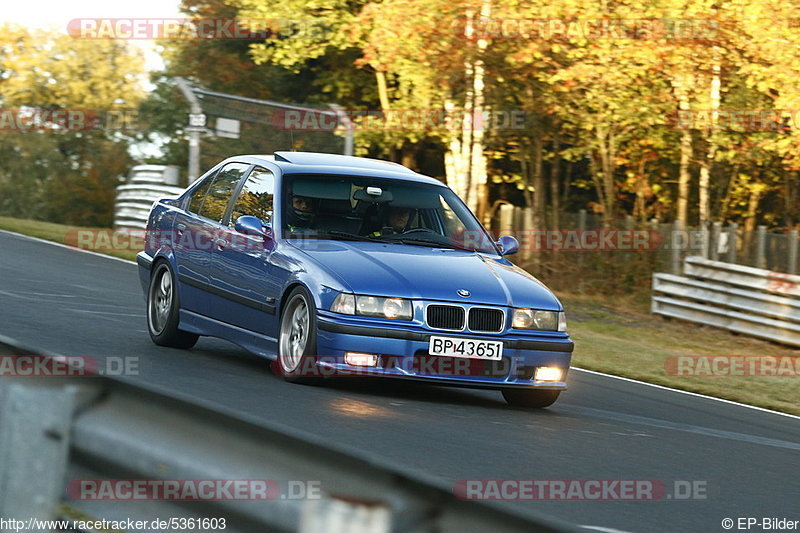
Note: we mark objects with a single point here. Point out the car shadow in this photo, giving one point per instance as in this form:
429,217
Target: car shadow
400,390
387,388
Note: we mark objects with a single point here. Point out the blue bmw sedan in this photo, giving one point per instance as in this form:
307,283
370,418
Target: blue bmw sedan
334,266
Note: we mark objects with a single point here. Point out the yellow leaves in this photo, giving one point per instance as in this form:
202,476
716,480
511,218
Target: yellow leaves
43,70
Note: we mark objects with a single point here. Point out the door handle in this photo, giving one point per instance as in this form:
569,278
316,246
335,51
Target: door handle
180,228
221,243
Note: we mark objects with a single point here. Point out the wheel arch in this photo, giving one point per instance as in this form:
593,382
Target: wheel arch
164,256
288,290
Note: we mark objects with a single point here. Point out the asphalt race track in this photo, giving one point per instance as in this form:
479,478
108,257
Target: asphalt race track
74,303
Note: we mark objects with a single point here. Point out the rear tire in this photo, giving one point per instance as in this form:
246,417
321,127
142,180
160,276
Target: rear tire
534,399
297,340
163,307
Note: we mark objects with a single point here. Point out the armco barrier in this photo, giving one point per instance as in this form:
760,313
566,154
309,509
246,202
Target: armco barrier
57,430
738,298
146,184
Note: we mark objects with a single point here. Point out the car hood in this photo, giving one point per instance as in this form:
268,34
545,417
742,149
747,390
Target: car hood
428,273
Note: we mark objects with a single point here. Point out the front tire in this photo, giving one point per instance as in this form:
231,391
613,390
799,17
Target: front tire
534,399
163,309
297,341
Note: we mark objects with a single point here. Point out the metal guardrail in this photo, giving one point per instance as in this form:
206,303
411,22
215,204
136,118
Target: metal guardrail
737,298
743,276
57,429
146,184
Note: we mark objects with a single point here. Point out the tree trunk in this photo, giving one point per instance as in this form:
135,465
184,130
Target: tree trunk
598,184
734,179
554,173
642,184
567,183
527,217
704,206
703,184
474,114
609,167
607,147
538,184
383,91
684,178
790,198
752,207
456,159
408,156
681,86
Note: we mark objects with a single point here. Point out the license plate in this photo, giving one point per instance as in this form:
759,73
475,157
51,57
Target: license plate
471,348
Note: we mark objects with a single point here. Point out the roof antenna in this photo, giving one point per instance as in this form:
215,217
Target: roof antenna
291,134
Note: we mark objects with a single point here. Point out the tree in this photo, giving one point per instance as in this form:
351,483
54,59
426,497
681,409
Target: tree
56,173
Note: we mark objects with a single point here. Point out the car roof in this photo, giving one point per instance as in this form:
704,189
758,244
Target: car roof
337,164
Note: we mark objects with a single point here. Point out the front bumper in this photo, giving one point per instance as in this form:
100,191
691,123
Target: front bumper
402,352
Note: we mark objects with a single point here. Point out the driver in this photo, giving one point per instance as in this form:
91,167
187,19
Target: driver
301,215
397,219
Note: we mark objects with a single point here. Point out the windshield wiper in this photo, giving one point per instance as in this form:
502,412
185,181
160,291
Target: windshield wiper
343,235
435,244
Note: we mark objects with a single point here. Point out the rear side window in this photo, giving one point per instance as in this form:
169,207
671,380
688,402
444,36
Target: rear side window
199,194
256,197
221,190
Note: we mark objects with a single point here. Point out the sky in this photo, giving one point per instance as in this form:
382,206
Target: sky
54,15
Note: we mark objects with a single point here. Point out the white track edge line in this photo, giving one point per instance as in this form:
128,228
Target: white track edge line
697,394
603,529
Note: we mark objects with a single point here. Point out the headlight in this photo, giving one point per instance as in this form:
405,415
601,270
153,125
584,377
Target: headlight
397,308
541,320
394,308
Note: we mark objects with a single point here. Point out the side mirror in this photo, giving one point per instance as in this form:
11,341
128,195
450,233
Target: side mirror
508,245
250,225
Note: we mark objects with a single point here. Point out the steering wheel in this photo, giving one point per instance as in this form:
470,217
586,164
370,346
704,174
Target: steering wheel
417,230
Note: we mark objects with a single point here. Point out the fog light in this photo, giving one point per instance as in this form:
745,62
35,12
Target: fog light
361,359
547,373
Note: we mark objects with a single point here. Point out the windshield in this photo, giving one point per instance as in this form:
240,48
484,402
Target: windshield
379,209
